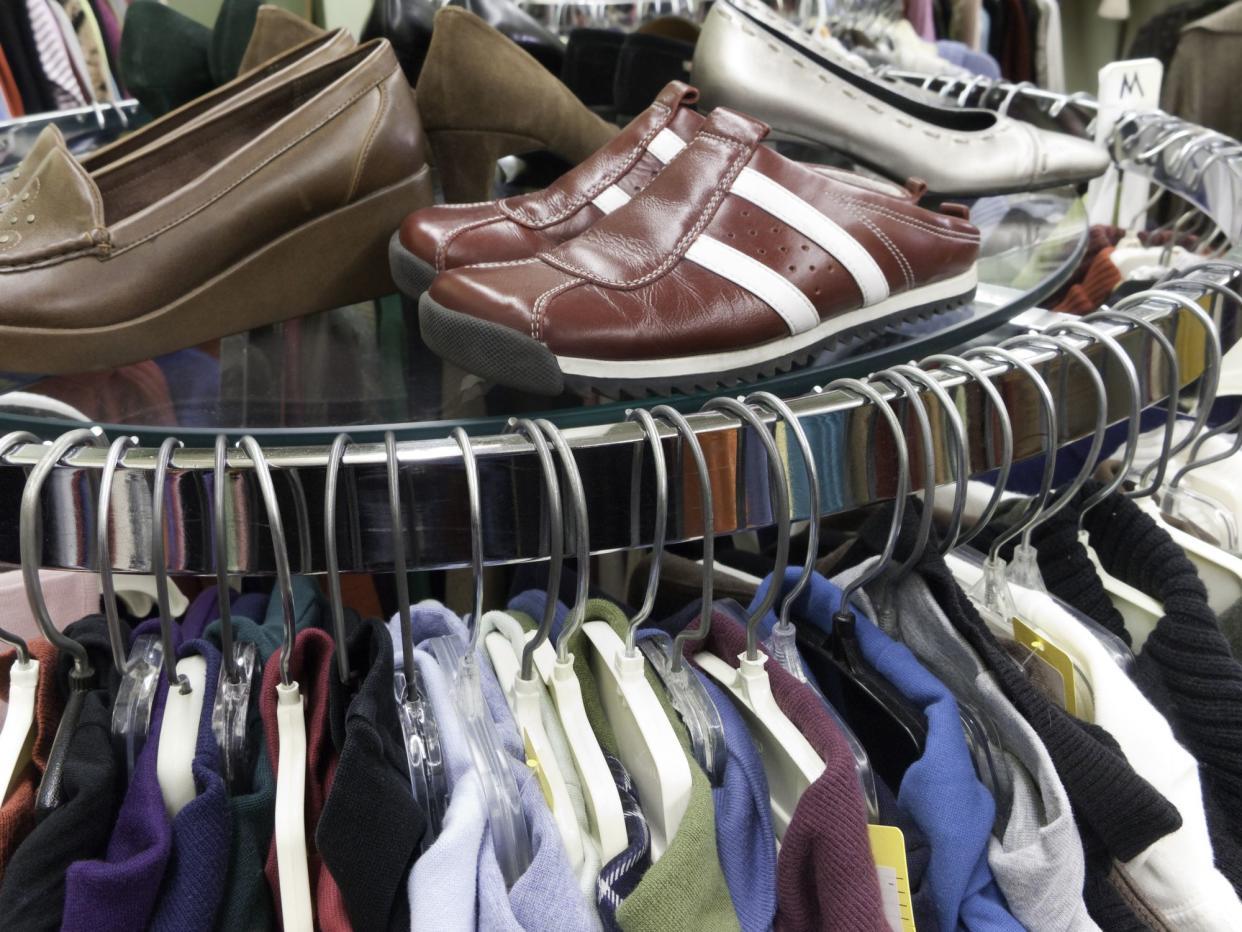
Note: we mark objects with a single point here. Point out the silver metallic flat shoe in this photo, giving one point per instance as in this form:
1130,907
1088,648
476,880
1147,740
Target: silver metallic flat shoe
750,59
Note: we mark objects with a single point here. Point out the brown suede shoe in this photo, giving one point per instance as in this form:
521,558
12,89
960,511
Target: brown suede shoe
279,207
450,235
733,262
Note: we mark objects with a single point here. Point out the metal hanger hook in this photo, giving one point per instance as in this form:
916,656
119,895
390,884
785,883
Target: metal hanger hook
401,579
1133,414
1174,379
961,452
474,503
869,393
582,536
103,547
1210,378
30,533
555,515
284,579
785,413
906,387
950,363
160,566
220,542
1067,349
780,486
1048,406
660,529
331,557
688,439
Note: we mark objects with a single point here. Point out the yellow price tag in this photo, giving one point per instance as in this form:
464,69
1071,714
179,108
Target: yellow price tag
1058,665
888,848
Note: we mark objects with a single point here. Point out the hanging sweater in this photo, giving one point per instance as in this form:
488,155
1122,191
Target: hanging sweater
17,814
1185,668
92,784
1119,814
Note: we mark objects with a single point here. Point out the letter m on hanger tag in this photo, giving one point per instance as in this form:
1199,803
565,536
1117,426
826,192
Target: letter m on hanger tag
1114,197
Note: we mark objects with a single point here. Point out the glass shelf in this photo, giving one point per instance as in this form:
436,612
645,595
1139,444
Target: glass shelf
364,369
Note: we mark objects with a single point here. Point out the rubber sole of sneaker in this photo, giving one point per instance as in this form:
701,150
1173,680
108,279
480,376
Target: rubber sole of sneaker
508,357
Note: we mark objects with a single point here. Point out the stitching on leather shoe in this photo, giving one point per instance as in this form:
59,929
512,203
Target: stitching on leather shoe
631,159
906,272
443,246
505,264
255,169
367,143
738,161
541,305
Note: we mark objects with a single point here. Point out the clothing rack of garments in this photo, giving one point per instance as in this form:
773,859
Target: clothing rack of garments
107,120
434,501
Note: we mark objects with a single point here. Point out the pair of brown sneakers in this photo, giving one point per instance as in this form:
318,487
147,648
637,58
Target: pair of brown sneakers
270,198
683,253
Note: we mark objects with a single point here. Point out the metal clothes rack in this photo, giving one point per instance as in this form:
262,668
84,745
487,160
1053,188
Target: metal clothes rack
847,435
108,119
1199,165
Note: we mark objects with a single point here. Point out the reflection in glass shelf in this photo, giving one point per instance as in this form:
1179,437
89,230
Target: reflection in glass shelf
362,367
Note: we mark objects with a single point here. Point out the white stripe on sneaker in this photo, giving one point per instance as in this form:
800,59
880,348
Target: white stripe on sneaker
666,145
770,287
610,199
780,202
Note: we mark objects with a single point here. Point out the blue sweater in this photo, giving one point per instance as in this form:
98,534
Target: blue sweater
940,791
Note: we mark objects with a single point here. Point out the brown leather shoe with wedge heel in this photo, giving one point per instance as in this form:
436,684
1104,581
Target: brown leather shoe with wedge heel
278,208
482,98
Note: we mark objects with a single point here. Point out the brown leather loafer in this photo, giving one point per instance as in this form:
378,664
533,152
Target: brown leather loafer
731,262
450,235
279,207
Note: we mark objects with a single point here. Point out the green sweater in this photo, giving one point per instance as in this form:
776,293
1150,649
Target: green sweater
686,888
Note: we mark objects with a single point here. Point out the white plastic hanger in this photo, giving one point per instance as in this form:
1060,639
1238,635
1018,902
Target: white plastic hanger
82,676
17,734
557,669
514,663
684,689
646,742
186,681
783,640
789,760
292,869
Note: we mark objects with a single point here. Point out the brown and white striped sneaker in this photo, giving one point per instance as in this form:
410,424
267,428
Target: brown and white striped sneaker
731,262
448,236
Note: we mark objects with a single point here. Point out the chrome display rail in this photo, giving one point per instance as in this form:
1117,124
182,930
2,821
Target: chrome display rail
1199,165
850,441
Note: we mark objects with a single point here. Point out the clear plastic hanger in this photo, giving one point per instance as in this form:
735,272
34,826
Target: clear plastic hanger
1025,568
782,642
790,761
863,691
982,737
187,677
1220,570
517,675
82,676
238,660
131,711
604,810
331,556
991,595
646,742
293,873
420,732
511,839
17,734
685,691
